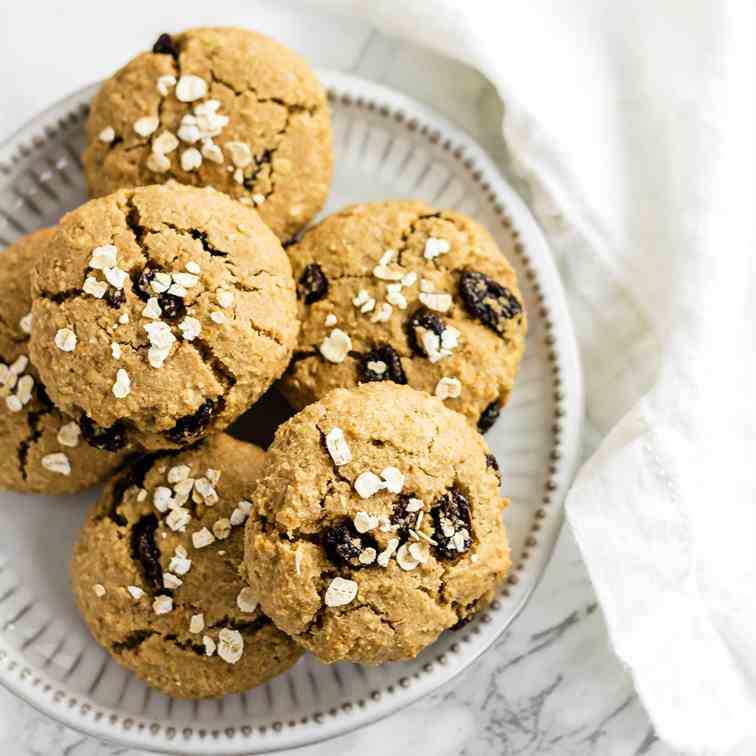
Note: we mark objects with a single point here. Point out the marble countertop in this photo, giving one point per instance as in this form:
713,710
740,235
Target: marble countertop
551,684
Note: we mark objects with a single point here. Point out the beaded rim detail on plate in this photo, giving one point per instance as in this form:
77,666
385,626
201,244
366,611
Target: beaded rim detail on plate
562,464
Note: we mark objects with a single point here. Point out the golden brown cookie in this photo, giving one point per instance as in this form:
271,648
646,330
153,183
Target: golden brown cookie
156,574
227,108
161,313
41,449
397,291
377,524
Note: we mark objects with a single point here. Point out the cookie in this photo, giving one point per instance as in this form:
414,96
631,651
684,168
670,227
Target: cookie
161,313
41,449
227,108
389,534
397,291
156,574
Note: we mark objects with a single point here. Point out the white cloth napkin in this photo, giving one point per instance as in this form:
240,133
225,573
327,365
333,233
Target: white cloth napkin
633,126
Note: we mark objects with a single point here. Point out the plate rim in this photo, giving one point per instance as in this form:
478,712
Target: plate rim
351,90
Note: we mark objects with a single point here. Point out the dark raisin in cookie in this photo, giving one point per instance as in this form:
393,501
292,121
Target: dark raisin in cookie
313,285
488,301
382,363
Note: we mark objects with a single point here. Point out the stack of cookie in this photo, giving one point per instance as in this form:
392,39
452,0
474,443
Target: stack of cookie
156,314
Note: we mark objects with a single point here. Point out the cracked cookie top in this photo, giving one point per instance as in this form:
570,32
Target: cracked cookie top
156,573
161,314
389,534
398,291
41,449
227,108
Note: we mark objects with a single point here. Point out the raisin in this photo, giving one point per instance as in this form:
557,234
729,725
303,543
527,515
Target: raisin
313,285
401,518
261,160
493,464
422,318
144,550
142,284
451,524
115,297
488,301
171,306
165,46
110,439
341,545
393,370
190,427
489,416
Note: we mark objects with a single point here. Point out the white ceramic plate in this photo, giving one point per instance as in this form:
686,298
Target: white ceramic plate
386,146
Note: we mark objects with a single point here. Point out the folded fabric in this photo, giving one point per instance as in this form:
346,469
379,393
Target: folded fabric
632,125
